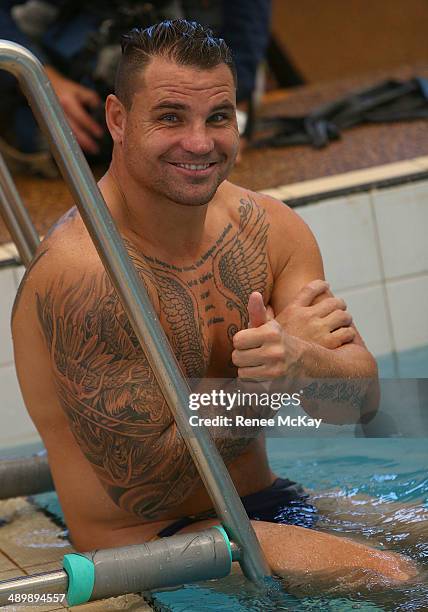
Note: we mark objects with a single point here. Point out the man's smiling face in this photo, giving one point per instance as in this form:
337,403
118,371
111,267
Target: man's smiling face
181,137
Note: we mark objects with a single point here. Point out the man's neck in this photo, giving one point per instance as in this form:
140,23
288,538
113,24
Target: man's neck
165,226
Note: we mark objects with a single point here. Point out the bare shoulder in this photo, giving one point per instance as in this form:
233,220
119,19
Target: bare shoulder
285,222
66,253
68,276
289,236
279,214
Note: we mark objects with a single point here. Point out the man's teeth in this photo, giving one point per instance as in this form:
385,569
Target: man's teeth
193,166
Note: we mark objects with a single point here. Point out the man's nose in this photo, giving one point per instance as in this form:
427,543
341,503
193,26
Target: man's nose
198,140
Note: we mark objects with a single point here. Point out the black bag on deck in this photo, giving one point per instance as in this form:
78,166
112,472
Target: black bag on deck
390,101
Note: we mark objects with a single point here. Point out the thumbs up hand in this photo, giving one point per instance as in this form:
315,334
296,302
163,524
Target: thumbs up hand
264,351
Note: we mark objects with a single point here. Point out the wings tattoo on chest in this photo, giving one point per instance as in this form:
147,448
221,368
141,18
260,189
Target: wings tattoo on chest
240,266
103,379
180,310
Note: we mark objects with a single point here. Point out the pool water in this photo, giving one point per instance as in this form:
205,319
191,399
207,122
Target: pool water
382,482
376,489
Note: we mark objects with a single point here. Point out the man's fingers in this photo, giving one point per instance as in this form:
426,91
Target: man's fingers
257,313
245,339
248,339
327,306
338,318
247,358
260,373
343,335
309,292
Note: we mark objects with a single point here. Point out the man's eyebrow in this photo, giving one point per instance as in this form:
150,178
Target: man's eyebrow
226,105
173,105
170,105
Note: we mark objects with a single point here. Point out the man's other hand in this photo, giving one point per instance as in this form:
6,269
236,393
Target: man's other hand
322,320
264,351
75,100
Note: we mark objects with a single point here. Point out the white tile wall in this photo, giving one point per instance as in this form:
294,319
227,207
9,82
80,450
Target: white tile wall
402,219
369,310
345,232
7,295
18,273
16,425
9,251
377,259
408,302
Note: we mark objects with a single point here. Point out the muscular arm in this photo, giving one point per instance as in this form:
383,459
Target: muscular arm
357,391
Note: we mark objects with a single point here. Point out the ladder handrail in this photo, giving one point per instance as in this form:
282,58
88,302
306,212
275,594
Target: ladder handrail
16,217
36,86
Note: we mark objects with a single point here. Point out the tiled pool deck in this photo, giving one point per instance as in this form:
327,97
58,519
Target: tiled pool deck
31,543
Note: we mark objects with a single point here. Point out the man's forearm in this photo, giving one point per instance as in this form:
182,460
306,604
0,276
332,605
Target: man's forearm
348,361
341,385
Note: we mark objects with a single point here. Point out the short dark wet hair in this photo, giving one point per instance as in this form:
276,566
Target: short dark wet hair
185,42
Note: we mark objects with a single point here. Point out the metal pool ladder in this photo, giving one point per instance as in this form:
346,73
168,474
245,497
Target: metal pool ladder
36,86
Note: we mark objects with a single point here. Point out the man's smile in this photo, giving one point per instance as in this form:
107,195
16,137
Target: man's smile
192,169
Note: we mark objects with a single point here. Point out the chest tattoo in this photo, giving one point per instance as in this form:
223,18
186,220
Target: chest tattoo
104,382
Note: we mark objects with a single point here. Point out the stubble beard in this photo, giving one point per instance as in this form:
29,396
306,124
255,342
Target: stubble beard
185,195
165,185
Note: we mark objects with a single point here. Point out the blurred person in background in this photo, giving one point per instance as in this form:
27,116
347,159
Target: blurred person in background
79,48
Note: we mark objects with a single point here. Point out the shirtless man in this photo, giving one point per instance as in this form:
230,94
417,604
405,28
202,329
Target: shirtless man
211,256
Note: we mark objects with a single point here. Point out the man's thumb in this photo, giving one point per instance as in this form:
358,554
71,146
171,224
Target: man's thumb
257,314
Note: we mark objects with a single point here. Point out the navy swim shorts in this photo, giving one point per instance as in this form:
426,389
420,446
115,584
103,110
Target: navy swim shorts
284,501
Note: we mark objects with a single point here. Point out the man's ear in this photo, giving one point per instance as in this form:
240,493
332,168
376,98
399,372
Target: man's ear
115,118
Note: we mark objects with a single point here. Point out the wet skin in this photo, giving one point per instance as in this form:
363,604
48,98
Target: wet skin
201,246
